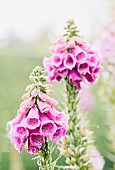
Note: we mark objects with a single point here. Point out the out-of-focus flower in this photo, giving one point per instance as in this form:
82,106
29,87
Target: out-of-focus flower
87,101
96,158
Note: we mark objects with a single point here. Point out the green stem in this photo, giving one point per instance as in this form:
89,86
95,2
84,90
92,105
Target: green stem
77,141
44,161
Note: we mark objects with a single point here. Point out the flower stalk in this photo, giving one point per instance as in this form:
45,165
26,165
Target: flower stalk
75,147
38,121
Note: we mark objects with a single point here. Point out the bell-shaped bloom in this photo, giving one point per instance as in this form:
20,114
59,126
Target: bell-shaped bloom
32,149
93,60
17,120
18,142
58,135
32,120
43,106
63,73
52,113
20,130
61,119
37,139
83,68
48,127
74,77
47,64
89,78
26,96
69,61
56,60
29,87
81,56
47,99
30,102
23,110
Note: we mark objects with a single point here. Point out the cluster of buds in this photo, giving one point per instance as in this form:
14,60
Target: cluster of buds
37,117
73,58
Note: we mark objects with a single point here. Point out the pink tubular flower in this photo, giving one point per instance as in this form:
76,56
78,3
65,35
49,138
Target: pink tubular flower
58,135
74,77
43,106
32,149
50,101
77,57
32,120
18,142
21,131
69,61
26,96
15,121
47,64
81,56
30,102
48,127
83,68
37,120
34,92
23,110
37,139
61,119
56,60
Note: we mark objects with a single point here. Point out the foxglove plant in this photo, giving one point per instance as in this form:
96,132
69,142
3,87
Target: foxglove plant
38,121
78,64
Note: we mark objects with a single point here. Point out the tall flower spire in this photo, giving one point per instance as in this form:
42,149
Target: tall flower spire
38,121
78,64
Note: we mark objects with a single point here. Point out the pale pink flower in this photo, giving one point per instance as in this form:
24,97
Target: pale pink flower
30,102
23,110
56,60
96,159
47,99
48,127
43,106
32,120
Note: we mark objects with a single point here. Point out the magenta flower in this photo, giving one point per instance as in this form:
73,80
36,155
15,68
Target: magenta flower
61,119
32,120
56,60
81,56
36,139
83,68
17,120
58,135
48,127
32,149
21,131
77,61
69,61
74,77
37,119
18,142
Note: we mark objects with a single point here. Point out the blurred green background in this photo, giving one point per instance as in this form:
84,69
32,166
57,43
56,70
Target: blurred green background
16,62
